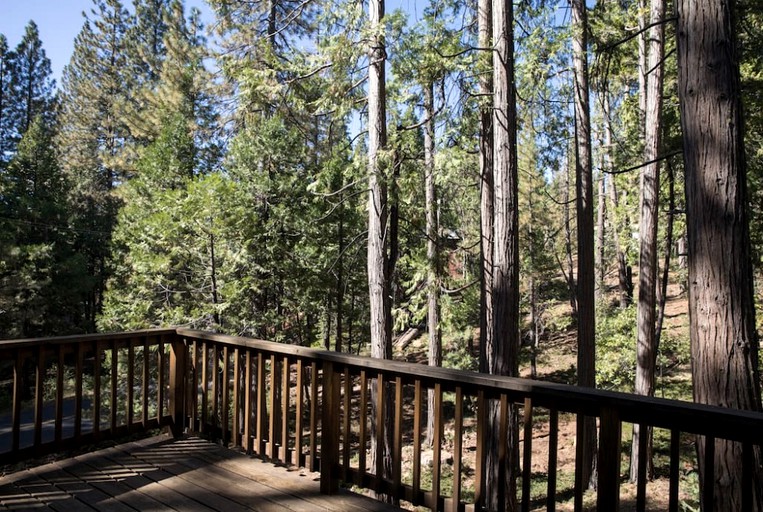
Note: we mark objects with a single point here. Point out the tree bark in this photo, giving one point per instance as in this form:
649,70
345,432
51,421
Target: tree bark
646,342
378,278
502,355
433,273
623,271
724,343
484,21
601,212
568,263
586,443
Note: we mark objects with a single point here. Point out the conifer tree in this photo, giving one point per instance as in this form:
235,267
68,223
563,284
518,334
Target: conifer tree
41,275
586,368
6,117
92,135
32,87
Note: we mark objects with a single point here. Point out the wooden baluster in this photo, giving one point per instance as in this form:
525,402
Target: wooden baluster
397,440
248,403
236,436
178,372
38,395
363,433
329,429
553,444
417,406
114,387
285,391
503,452
97,367
59,421
262,410
479,470
225,384
748,467
458,432
708,482
527,450
643,444
313,466
610,440
380,413
215,390
18,368
346,432
145,382
298,441
130,383
204,387
78,391
160,358
437,447
675,447
272,451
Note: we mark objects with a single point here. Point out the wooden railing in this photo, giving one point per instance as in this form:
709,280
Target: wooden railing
61,393
312,408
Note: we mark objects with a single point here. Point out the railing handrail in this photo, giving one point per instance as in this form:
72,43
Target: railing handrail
72,338
289,403
693,418
689,417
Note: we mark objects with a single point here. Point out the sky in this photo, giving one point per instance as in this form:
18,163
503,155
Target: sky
59,22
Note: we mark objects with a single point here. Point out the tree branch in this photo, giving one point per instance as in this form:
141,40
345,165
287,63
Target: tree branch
644,164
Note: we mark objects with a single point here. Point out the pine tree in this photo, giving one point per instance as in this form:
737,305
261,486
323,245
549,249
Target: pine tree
41,276
6,102
724,342
92,135
586,367
32,87
145,44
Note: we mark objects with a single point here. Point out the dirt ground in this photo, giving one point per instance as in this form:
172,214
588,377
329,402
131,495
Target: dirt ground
556,363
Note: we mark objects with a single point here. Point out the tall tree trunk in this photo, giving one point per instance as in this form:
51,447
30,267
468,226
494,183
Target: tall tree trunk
213,271
724,344
662,291
586,430
378,278
623,270
502,355
646,343
569,267
485,21
601,212
339,275
433,271
642,65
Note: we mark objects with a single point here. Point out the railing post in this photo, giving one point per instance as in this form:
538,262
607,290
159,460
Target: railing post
178,366
329,429
610,440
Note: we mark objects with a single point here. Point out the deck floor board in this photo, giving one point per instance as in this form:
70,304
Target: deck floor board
162,473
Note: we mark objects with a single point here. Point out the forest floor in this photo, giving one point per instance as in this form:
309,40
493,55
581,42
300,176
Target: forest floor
556,362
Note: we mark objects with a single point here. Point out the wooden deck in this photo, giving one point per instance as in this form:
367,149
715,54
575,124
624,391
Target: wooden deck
161,473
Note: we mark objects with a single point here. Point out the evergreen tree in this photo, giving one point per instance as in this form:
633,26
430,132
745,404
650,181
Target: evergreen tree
40,274
92,135
6,102
724,343
32,87
145,44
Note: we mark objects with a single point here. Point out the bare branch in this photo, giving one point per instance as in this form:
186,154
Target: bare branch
644,164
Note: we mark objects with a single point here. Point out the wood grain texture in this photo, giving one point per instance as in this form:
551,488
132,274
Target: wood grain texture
162,473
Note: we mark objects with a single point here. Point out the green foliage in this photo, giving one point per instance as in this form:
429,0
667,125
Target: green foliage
616,348
616,351
42,277
457,353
